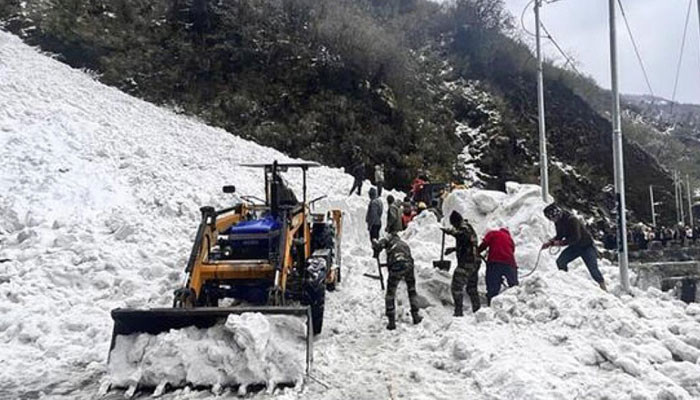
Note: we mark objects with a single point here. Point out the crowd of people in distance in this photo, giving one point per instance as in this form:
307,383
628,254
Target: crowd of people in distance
400,213
640,236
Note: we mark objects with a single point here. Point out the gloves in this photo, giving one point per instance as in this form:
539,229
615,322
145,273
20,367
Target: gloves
552,243
450,251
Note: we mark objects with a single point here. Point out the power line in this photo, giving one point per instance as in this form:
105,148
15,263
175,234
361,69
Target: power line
568,59
680,59
522,18
522,15
636,48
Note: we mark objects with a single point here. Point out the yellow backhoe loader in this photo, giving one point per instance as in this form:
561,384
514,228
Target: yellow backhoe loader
271,256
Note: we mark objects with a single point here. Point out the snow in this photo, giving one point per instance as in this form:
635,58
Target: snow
100,202
249,349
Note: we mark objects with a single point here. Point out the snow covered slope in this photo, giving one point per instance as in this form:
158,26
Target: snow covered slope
100,198
100,201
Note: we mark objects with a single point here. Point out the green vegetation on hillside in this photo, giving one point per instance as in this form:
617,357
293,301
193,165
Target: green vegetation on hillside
331,80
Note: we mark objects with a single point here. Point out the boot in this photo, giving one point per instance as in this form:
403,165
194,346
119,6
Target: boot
602,286
458,310
476,302
392,322
416,317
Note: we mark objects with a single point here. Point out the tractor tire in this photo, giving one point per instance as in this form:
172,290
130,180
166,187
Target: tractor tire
317,305
207,299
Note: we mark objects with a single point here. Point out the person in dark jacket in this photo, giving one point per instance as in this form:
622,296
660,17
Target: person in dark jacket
358,172
400,265
572,233
467,271
500,263
374,214
393,216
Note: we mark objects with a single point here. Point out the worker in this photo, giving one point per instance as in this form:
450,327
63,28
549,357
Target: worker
407,215
400,265
358,172
417,186
500,263
393,216
572,233
373,218
467,271
379,178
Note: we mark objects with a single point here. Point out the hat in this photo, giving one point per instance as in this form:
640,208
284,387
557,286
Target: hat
422,206
456,218
552,212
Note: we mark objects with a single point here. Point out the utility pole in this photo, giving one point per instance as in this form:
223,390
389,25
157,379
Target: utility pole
680,198
675,188
544,172
698,13
618,157
690,202
653,206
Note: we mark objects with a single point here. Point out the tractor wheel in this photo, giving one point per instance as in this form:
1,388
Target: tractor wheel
208,298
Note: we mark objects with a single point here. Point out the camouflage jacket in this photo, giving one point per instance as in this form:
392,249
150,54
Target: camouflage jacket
396,250
467,242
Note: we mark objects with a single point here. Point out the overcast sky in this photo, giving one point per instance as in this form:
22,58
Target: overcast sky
581,28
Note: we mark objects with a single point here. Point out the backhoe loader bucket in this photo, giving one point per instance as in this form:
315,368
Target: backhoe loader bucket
145,339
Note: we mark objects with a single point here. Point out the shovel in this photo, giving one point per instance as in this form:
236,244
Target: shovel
442,264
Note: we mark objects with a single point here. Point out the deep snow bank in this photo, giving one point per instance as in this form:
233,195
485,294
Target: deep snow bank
101,197
557,336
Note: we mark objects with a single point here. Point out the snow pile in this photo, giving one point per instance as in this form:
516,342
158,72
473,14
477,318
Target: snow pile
101,197
249,349
556,336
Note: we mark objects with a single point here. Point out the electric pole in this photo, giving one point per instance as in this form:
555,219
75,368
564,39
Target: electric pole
680,198
653,206
618,157
675,188
544,173
698,13
690,201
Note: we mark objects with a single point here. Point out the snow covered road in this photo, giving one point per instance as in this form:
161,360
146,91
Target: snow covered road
100,199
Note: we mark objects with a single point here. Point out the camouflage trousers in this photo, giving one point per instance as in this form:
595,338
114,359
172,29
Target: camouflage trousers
466,275
397,272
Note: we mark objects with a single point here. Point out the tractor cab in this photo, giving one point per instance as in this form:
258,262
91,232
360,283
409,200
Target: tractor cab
257,234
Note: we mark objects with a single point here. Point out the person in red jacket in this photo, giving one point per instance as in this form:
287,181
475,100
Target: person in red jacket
500,262
407,215
417,187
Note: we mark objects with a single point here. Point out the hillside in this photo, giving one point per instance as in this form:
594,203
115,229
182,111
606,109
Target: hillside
410,83
102,200
672,132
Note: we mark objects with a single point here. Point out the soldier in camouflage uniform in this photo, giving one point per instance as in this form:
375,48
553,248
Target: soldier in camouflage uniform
468,263
400,265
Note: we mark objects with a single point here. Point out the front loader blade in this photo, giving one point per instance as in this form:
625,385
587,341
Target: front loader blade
155,321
